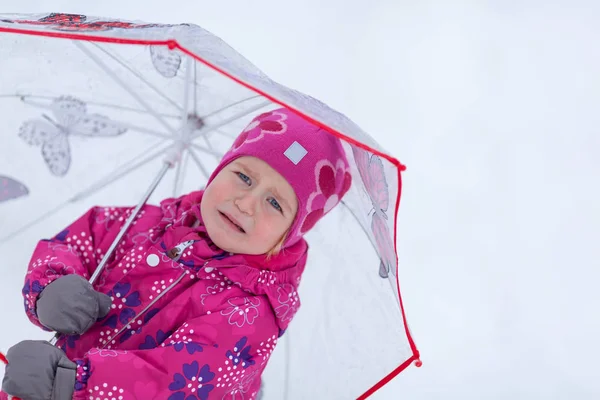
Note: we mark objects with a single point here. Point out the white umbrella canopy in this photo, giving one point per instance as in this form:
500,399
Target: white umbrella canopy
93,108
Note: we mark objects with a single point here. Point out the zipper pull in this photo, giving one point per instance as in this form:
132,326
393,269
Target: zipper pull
176,252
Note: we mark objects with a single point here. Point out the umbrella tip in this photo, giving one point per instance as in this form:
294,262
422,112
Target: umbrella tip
418,363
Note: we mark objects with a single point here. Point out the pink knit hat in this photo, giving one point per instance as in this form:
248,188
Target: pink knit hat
311,159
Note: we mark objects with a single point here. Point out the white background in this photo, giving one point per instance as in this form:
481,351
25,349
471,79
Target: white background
493,106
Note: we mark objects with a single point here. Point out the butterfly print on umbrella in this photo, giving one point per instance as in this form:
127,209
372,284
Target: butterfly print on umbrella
370,168
166,62
11,189
70,119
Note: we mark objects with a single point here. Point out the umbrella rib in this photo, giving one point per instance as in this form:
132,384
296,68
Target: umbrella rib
177,177
176,180
195,92
199,163
33,222
184,132
24,99
208,143
222,133
114,76
186,92
128,127
118,123
119,173
207,151
138,75
180,174
142,130
220,110
230,119
94,187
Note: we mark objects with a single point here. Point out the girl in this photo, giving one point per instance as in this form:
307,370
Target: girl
197,293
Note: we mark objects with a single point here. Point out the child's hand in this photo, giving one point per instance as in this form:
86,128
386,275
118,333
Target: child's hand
38,370
70,305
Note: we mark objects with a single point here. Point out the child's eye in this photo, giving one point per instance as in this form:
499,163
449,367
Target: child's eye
245,178
275,204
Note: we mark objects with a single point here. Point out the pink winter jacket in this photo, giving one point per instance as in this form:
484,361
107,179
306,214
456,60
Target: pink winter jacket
187,329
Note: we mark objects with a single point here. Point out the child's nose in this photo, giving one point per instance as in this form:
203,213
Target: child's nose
247,203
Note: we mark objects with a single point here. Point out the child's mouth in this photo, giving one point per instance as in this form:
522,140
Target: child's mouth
231,223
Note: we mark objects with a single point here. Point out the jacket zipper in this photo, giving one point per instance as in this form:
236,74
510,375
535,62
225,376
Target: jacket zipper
112,339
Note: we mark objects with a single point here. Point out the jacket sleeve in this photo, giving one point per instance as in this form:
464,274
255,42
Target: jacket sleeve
217,356
78,249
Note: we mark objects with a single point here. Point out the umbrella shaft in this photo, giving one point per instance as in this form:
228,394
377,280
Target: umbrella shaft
124,230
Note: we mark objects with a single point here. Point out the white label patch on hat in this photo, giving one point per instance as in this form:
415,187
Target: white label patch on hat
295,153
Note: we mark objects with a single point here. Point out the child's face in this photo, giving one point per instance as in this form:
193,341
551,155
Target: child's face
256,198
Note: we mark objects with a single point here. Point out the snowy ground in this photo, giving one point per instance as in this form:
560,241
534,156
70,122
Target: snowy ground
493,108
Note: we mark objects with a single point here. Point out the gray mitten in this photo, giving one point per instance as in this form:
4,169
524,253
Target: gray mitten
70,305
37,370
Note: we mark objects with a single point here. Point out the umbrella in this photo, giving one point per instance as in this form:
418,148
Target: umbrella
111,112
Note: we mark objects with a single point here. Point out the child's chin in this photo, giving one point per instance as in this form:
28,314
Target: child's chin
225,242
236,248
